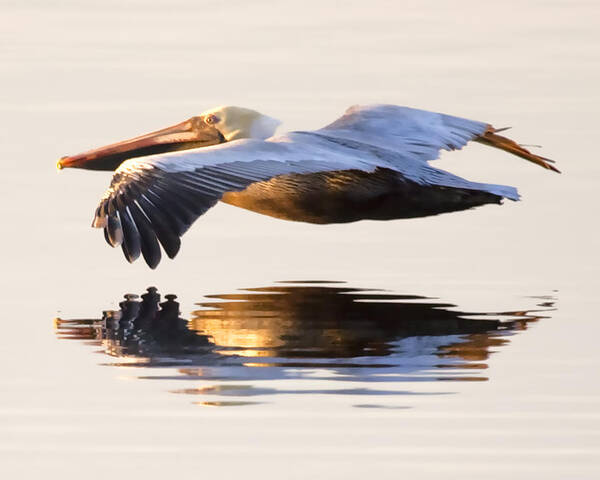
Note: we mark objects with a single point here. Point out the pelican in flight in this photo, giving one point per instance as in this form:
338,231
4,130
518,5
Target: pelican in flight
371,163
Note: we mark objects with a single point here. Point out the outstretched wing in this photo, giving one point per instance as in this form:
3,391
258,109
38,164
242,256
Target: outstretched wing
154,200
413,133
419,134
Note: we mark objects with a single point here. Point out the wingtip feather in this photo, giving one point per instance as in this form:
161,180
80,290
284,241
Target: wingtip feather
492,139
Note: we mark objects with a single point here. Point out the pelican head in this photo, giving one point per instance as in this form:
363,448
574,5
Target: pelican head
218,125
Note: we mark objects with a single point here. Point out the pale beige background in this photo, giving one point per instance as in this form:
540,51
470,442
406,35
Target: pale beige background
78,74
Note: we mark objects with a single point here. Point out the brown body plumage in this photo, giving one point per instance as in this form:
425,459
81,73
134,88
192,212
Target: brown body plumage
352,195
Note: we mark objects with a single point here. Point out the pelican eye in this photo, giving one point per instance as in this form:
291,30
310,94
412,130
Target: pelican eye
211,119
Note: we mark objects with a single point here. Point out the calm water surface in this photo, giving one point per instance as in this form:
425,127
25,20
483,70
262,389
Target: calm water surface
458,345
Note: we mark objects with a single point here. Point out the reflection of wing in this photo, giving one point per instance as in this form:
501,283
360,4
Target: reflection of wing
147,329
154,200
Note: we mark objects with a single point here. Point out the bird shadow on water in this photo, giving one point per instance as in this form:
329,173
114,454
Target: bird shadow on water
306,332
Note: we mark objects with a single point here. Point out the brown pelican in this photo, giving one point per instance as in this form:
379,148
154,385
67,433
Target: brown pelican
371,163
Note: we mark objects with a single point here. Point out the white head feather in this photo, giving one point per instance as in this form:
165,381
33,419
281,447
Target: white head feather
237,122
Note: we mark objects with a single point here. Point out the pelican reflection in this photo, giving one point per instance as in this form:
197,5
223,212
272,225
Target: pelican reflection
318,322
298,331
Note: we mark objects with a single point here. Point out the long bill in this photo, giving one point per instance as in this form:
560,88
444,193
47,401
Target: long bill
192,133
